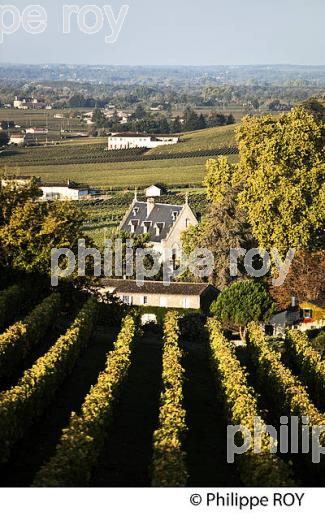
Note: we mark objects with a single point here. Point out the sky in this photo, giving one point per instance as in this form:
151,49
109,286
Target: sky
167,32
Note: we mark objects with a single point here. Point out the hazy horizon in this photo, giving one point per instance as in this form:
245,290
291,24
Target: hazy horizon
163,65
186,33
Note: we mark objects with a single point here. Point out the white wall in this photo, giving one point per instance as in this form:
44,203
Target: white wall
119,143
18,140
153,191
62,192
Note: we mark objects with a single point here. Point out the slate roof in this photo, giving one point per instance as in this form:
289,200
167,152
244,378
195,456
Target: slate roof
174,288
160,213
71,185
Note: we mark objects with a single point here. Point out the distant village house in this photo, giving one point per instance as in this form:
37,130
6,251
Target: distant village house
26,103
37,131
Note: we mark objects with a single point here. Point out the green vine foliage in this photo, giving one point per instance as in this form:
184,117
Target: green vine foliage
168,464
82,441
256,469
24,403
19,339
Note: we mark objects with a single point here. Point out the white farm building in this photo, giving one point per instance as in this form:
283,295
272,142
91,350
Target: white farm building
154,191
18,139
68,191
128,140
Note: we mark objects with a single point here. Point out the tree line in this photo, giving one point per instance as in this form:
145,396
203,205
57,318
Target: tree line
142,121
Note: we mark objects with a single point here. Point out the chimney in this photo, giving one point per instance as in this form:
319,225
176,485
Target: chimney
150,206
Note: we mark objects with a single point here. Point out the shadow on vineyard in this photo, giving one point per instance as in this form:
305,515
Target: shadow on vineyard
126,458
305,472
141,395
58,327
206,440
39,443
314,388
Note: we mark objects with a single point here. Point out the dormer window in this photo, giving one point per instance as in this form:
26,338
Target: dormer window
174,215
146,226
307,314
159,228
134,224
135,211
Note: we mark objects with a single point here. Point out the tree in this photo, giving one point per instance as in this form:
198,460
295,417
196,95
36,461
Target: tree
315,108
218,178
5,125
33,229
77,101
177,125
140,113
135,242
99,119
192,121
13,195
4,138
305,280
224,227
217,119
241,303
280,179
163,126
202,123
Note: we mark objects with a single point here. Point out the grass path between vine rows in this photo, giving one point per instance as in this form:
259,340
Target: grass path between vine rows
126,458
206,438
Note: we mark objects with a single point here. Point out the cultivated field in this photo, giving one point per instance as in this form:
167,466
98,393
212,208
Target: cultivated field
107,176
45,118
201,140
88,161
142,408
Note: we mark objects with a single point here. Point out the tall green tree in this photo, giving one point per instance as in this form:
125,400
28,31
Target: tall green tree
33,229
224,227
13,195
243,302
99,118
177,125
280,179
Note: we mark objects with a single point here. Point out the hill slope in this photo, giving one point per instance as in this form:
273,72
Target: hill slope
208,139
